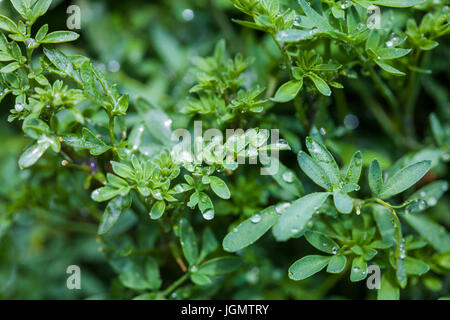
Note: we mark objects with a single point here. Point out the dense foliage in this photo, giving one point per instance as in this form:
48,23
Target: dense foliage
91,175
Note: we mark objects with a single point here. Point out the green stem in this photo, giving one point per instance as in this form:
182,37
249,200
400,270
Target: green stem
175,285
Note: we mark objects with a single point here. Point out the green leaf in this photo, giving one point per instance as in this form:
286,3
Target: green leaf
404,179
307,266
288,180
320,84
375,178
342,202
325,160
200,279
104,193
60,36
188,242
10,67
318,20
359,269
389,69
337,264
438,131
7,24
354,169
398,3
314,171
383,218
389,290
321,242
94,144
392,53
293,220
219,187
139,276
288,91
209,243
33,154
39,9
158,209
435,234
415,267
220,266
123,170
249,231
21,7
112,213
431,193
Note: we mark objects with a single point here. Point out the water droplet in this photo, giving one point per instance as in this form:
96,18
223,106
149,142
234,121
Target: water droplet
423,194
19,107
335,250
208,215
325,244
256,218
188,14
280,208
345,4
323,131
422,205
294,230
167,123
288,176
356,269
194,269
432,201
351,122
113,66
235,230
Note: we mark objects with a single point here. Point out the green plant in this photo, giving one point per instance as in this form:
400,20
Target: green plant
159,212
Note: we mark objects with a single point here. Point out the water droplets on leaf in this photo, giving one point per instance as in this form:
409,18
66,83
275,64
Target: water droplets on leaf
280,208
256,218
209,214
288,176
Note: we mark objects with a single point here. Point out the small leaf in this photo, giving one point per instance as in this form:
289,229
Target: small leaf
325,160
219,187
112,213
39,9
404,179
188,242
435,234
375,178
307,266
343,202
415,267
359,269
158,209
392,53
123,170
337,264
354,169
293,220
389,290
220,266
314,171
320,84
321,242
7,24
389,69
104,193
209,243
288,91
10,67
33,154
248,231
398,3
60,36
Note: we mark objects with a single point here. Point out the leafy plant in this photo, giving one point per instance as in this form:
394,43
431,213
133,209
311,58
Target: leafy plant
100,163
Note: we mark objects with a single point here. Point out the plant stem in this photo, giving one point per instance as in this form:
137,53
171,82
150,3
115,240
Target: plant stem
175,285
